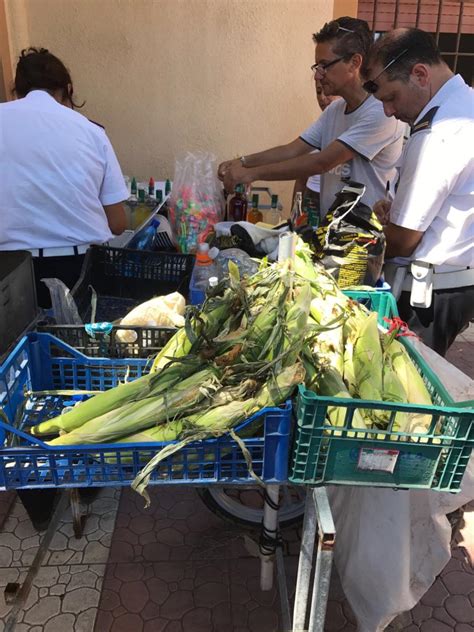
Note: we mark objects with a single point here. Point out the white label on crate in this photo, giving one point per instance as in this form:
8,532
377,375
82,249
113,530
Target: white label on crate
377,459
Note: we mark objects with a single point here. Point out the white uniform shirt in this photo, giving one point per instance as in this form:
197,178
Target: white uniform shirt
57,170
435,193
376,139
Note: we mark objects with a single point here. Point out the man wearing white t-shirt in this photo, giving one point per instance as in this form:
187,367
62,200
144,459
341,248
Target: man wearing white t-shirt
355,139
311,188
430,225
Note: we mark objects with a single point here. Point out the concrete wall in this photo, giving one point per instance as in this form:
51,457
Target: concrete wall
167,76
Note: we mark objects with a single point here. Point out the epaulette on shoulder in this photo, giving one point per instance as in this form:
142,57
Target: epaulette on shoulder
426,121
95,123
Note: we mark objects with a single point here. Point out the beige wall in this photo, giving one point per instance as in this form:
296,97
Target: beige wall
167,76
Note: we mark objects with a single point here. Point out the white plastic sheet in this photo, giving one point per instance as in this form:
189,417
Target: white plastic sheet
391,545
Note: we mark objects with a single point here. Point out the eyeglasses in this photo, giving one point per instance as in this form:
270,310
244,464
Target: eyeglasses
371,86
321,68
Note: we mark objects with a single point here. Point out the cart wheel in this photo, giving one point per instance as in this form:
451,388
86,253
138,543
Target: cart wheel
78,517
244,504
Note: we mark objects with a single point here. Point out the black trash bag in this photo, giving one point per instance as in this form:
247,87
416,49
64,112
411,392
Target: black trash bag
350,241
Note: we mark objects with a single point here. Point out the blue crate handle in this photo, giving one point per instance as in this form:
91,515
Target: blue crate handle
24,435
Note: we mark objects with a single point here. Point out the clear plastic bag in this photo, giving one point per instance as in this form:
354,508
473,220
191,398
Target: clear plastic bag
63,305
196,201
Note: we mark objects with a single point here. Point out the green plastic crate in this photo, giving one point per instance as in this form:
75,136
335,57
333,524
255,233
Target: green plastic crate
324,454
379,301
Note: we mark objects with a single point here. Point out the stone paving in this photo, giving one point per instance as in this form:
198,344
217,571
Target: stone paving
66,591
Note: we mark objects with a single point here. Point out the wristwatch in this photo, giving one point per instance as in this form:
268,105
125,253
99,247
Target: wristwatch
243,162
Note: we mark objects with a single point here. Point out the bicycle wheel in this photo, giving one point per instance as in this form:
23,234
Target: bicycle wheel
244,504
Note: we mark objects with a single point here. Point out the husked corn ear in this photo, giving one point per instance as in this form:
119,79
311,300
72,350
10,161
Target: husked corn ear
367,360
329,383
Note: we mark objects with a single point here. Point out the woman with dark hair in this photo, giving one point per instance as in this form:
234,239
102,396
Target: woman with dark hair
61,187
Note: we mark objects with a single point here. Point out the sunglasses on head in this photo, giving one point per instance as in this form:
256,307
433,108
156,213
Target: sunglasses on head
371,86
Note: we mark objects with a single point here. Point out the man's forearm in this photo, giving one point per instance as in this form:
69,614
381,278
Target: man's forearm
298,168
277,154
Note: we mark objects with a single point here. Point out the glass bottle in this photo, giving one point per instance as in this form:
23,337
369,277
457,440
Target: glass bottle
167,187
274,214
151,188
254,215
297,210
237,208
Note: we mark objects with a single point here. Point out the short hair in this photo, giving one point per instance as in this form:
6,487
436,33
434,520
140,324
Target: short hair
38,69
420,47
350,36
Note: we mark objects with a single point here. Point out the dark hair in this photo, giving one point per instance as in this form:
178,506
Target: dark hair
350,36
38,69
420,48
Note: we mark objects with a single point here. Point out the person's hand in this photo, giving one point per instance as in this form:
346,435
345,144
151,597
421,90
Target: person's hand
224,166
382,211
237,174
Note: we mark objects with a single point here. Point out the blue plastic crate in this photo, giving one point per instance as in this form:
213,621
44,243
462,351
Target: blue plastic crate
41,362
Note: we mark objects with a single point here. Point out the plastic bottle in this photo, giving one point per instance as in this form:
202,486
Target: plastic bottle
145,238
133,186
237,209
254,215
204,269
167,187
151,188
159,196
274,214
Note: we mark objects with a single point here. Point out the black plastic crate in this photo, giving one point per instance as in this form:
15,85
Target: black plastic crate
18,306
122,279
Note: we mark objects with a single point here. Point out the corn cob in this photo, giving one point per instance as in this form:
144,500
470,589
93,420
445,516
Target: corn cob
139,415
106,401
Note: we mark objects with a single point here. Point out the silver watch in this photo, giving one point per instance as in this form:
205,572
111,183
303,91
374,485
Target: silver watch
243,162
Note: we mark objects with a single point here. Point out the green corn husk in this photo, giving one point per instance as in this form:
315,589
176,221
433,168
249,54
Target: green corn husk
106,401
367,360
413,384
350,330
329,383
296,324
136,416
329,314
217,421
394,391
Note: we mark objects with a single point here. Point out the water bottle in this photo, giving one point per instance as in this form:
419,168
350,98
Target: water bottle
204,269
145,238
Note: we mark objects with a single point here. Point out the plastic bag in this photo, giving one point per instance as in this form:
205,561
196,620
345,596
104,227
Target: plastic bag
161,311
196,202
350,241
246,265
63,305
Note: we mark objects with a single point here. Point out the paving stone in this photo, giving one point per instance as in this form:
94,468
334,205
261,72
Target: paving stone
210,594
158,590
263,620
109,600
460,608
43,592
10,540
435,626
107,521
127,623
421,613
6,556
80,599
47,576
134,596
436,595
103,622
95,553
65,578
157,625
440,614
25,529
84,578
60,557
85,621
335,619
60,623
177,604
459,583
43,611
198,620
128,572
59,590
464,627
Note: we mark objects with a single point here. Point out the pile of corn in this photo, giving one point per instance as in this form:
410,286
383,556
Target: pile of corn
251,344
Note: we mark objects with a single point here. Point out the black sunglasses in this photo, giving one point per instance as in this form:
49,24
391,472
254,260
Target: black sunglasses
333,28
371,86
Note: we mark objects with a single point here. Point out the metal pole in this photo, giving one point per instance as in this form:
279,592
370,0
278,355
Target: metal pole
305,564
268,542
